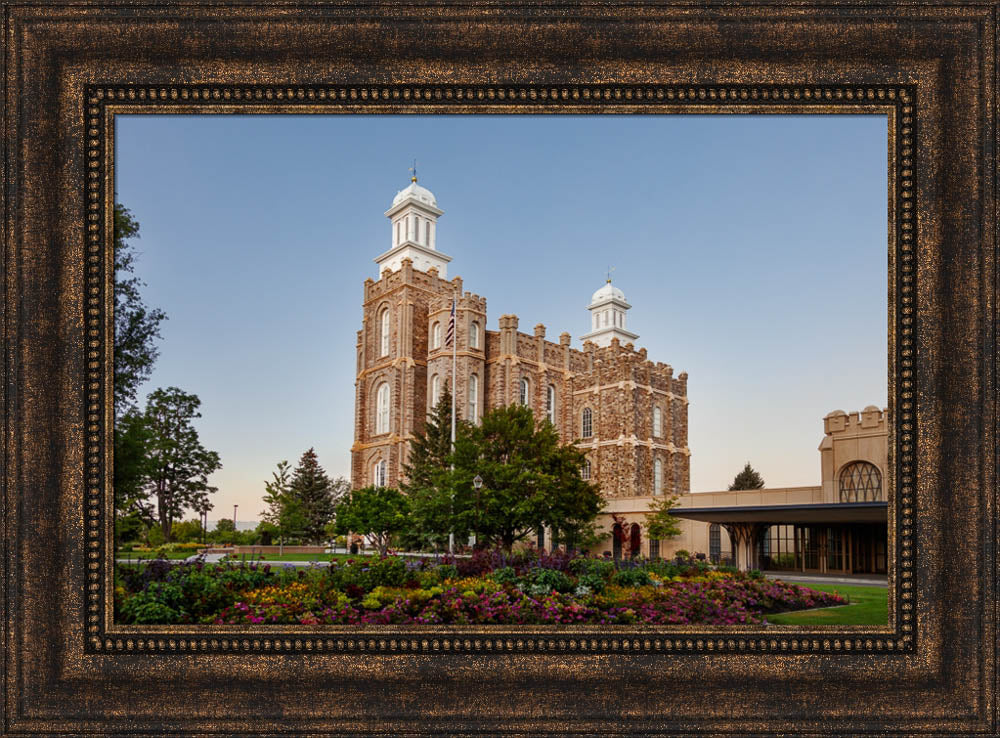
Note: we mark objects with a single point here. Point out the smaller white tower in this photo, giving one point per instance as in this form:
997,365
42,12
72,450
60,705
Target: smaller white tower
607,317
413,215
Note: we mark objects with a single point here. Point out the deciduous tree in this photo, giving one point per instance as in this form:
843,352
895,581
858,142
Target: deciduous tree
179,466
378,512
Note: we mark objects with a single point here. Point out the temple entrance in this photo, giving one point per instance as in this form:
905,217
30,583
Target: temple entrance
828,549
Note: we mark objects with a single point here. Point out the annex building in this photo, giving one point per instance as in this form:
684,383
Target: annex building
629,414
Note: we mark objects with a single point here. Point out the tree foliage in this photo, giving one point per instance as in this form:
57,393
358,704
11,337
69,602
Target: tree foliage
747,479
136,326
315,495
428,479
660,524
529,479
285,511
178,465
378,512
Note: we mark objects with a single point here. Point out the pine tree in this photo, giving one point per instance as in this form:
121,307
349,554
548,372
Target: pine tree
427,484
312,489
747,479
430,447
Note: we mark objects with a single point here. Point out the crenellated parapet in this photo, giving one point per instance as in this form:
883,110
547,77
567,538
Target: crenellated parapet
869,420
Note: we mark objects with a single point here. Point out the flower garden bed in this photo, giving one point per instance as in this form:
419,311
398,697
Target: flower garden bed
494,588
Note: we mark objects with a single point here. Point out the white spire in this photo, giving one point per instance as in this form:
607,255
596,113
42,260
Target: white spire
413,217
608,317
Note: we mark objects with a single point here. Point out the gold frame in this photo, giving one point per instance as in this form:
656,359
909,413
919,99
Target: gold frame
70,668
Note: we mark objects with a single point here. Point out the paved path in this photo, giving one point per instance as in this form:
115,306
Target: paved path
791,576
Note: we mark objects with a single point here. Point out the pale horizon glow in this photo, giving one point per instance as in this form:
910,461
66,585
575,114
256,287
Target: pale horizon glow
753,250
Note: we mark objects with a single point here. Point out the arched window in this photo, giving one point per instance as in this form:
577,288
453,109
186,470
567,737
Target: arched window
585,470
617,538
714,543
382,409
523,396
588,423
435,390
473,397
427,232
473,334
416,228
550,404
860,482
399,230
657,422
383,332
436,335
378,474
657,477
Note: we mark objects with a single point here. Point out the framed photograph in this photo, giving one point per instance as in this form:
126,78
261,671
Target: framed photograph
757,246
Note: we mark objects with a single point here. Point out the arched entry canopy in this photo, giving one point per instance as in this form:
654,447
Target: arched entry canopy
828,537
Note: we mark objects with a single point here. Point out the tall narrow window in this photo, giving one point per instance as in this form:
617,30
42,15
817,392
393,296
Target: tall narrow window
473,334
435,390
382,409
657,422
550,404
585,471
473,398
378,474
399,230
657,477
523,396
714,543
588,423
436,336
383,337
427,232
597,321
416,228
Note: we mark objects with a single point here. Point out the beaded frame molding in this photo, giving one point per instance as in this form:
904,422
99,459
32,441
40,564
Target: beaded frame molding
70,66
103,103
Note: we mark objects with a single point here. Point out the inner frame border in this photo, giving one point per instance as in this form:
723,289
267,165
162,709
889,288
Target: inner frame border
103,102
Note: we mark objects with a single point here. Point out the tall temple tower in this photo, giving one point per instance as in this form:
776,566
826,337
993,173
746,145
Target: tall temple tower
627,413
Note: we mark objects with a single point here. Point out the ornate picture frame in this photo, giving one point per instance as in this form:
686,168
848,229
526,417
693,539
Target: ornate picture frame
69,69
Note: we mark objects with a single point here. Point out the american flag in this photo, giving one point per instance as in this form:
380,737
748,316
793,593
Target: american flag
451,325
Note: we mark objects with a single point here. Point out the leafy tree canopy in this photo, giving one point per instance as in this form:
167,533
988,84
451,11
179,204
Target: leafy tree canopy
660,524
378,512
315,495
136,326
179,466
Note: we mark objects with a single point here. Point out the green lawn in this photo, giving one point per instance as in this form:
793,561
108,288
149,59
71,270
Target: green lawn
869,606
146,555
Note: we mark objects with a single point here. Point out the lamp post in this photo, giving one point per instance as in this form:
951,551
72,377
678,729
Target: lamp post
477,482
234,524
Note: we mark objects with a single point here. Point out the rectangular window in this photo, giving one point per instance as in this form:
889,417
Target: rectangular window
654,548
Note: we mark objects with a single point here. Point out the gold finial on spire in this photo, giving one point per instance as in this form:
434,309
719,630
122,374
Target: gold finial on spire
610,269
413,177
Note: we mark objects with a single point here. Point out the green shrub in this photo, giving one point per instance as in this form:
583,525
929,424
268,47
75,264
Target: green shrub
755,574
634,577
504,575
592,581
446,571
585,565
545,580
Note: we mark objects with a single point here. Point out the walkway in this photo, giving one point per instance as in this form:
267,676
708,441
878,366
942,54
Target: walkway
859,580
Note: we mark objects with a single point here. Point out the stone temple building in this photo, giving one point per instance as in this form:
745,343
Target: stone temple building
627,412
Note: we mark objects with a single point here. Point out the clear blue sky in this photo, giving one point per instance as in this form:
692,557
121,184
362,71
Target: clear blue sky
753,250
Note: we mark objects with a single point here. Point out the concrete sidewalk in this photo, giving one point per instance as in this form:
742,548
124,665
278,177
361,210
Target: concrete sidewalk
859,581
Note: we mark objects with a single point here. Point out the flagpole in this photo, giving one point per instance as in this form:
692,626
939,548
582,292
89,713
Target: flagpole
454,393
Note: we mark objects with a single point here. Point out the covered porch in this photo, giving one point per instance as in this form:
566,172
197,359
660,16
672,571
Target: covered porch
822,538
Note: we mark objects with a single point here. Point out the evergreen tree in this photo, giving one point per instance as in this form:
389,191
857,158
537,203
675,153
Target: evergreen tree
747,479
313,490
427,484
